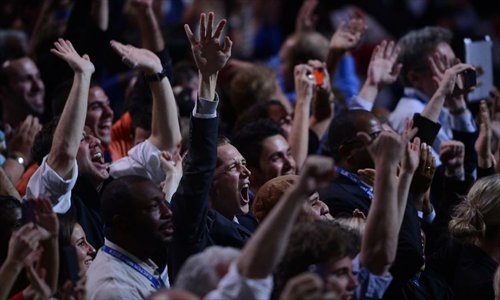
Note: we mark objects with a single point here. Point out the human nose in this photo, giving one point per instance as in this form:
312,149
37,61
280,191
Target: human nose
353,281
245,172
90,249
37,83
93,141
108,111
165,210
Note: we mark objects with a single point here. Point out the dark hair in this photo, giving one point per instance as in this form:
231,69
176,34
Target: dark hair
43,141
140,104
255,112
66,226
249,139
314,242
115,198
417,45
8,207
343,128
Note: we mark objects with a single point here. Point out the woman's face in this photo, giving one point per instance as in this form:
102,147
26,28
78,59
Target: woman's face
84,251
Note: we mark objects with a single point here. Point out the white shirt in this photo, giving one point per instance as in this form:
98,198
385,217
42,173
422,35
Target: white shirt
110,278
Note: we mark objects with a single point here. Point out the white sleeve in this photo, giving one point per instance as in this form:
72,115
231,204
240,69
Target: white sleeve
234,286
46,182
143,160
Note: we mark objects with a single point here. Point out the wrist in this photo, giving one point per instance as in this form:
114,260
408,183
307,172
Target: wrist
19,158
455,172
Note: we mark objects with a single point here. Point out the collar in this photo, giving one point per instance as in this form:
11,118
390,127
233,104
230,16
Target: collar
410,92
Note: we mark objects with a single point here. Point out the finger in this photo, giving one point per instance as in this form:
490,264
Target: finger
219,28
423,156
86,57
190,35
203,26
210,24
118,47
228,44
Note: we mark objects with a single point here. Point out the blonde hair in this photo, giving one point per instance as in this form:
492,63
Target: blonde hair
479,214
356,223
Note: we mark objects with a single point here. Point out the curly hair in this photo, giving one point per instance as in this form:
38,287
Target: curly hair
316,242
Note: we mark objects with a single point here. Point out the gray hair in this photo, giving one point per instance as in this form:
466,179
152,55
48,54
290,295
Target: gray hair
199,273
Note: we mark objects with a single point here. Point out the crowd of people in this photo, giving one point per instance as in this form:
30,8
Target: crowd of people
198,149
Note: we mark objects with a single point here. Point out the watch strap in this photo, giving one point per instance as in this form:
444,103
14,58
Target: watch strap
156,77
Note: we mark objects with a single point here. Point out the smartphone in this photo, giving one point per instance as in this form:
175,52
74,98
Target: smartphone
469,78
28,212
319,76
71,266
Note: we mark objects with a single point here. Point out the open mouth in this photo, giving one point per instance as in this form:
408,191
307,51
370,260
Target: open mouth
244,195
87,262
167,228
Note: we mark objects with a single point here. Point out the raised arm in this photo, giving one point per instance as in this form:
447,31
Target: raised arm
151,35
165,131
265,249
380,239
69,130
99,12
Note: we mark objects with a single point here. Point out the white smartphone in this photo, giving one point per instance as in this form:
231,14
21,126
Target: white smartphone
479,54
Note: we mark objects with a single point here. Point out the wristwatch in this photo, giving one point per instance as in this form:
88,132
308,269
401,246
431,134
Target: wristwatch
19,159
157,77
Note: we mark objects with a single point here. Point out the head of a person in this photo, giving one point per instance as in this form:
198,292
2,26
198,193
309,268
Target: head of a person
229,191
266,150
71,234
172,294
346,148
202,272
299,48
90,155
416,48
134,209
272,109
324,245
10,220
99,117
21,86
477,218
251,85
271,192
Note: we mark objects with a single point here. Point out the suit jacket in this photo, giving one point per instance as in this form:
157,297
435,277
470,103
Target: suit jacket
196,225
343,196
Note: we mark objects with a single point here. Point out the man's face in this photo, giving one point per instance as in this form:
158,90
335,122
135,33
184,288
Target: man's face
90,157
315,209
427,84
150,219
25,84
359,156
340,278
275,159
231,182
99,115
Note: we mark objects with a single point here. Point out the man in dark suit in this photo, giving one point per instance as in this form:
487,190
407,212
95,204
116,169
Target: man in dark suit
348,191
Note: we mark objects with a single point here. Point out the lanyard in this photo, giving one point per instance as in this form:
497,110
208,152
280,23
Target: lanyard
363,186
117,254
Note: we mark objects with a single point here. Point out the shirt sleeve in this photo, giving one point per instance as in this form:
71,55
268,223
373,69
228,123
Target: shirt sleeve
358,102
370,286
463,122
206,109
234,286
143,160
46,182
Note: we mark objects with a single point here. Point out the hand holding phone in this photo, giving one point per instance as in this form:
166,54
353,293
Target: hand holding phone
319,76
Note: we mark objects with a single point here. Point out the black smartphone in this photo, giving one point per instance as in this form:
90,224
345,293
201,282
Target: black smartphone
469,78
28,212
71,266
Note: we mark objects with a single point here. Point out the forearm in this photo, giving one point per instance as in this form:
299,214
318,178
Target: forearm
266,247
8,274
299,135
7,188
165,131
99,13
151,35
369,91
206,88
13,170
434,106
380,239
404,183
332,60
69,130
50,262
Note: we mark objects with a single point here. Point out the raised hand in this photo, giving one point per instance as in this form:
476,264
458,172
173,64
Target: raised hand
209,55
65,51
483,142
451,154
316,172
304,82
411,156
25,241
349,34
45,216
38,288
21,140
172,166
425,171
306,20
382,69
446,76
138,58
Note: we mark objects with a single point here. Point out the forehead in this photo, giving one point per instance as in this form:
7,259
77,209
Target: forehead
274,143
97,94
227,153
143,192
445,49
21,66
